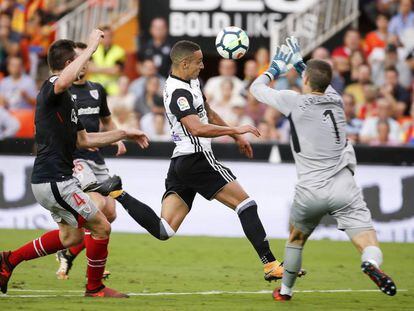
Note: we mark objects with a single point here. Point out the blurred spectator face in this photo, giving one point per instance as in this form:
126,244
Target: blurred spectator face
391,78
227,68
405,6
5,26
153,85
262,56
382,23
383,129
159,29
123,83
370,93
108,36
400,109
250,70
349,106
238,109
147,68
341,64
364,74
352,40
227,89
357,59
412,110
321,53
15,67
384,109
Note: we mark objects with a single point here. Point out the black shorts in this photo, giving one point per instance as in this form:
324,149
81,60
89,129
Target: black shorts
196,173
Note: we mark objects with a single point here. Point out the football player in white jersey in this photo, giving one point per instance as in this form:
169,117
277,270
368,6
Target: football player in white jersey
193,168
325,164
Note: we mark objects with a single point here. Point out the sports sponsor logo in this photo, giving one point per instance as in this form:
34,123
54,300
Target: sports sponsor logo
74,117
94,94
183,103
88,110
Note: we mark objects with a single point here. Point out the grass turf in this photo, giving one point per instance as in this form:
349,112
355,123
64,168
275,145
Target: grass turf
140,264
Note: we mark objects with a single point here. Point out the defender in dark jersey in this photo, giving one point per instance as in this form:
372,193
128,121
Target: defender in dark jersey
58,133
89,165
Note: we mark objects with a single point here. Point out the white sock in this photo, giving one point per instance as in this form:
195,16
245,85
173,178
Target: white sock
286,290
373,255
170,231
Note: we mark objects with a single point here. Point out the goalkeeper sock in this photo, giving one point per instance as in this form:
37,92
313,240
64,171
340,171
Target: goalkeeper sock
291,265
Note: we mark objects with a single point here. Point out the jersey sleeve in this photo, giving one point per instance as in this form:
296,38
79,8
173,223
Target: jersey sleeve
283,101
80,126
181,104
104,110
48,90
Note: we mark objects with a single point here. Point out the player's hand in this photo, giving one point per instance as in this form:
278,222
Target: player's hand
139,137
95,38
244,146
247,129
121,148
280,61
296,59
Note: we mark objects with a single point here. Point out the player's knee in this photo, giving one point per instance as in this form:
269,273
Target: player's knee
297,237
69,239
102,229
110,211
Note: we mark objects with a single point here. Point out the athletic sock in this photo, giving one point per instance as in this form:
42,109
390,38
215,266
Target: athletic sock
146,217
96,254
372,254
48,243
285,290
253,229
75,250
291,265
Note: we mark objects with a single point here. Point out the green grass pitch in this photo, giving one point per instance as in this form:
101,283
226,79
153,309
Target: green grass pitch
140,264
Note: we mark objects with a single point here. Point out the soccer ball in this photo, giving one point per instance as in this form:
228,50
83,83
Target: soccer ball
232,42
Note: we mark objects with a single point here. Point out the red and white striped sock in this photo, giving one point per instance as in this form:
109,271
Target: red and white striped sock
75,250
48,243
96,254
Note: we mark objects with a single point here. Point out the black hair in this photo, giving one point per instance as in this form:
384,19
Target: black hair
59,53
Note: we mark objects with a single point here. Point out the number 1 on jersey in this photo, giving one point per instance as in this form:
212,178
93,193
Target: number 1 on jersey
329,113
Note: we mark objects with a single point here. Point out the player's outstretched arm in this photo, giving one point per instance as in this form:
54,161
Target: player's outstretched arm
97,140
244,145
196,128
109,125
71,72
296,60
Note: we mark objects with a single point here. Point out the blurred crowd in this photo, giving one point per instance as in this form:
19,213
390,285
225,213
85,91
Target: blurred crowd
373,72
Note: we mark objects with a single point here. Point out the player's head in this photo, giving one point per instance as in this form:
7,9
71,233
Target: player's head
187,59
79,48
61,53
318,76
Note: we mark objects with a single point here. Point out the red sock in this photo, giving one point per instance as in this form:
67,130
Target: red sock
48,243
75,250
96,253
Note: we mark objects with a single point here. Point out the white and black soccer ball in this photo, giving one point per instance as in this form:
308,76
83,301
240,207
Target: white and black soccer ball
232,42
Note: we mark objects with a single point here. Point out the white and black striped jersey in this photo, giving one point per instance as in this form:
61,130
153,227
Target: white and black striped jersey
183,98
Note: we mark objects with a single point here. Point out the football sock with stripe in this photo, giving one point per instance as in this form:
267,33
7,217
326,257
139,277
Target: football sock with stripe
146,217
291,265
253,229
48,243
96,254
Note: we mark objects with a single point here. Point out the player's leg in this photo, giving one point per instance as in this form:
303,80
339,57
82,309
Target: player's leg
355,219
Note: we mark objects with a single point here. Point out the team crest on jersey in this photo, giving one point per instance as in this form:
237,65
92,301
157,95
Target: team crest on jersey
53,79
94,93
74,97
183,103
74,117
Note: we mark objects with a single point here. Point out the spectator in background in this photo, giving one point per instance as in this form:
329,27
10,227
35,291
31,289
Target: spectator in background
353,124
383,138
227,70
321,53
249,74
369,108
123,98
408,137
124,117
147,69
289,81
377,38
403,20
155,125
18,90
262,58
397,90
8,124
267,133
356,60
9,41
158,47
107,63
352,43
151,99
254,109
391,56
369,132
357,88
338,82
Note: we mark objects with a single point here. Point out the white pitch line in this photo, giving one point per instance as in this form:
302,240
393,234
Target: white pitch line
261,292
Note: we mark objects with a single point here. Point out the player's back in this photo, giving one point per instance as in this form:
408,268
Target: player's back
318,137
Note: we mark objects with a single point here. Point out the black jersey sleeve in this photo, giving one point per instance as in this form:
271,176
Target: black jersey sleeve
80,125
181,104
48,90
104,110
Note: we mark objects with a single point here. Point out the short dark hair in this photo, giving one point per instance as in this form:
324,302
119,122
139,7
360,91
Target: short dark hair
183,49
80,45
319,73
393,69
59,53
